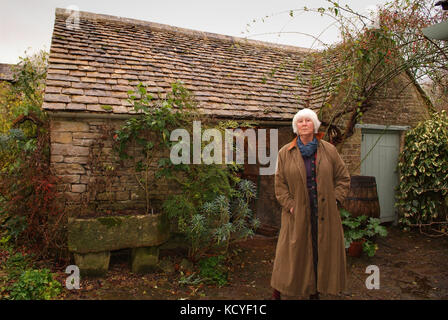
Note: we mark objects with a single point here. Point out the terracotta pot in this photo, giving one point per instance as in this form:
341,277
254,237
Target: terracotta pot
355,249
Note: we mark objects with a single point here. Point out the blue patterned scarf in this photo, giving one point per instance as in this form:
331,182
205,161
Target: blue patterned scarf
309,149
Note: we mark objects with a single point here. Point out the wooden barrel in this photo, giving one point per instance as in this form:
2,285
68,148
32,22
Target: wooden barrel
362,198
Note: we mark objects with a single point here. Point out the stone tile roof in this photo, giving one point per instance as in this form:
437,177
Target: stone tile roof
6,73
97,63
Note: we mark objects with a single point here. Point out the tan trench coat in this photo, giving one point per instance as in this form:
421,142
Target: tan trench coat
293,272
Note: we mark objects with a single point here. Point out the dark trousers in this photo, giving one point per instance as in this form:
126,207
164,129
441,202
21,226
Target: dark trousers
314,232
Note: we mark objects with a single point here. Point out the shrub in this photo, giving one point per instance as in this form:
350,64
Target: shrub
212,270
28,209
144,138
16,264
35,285
214,223
422,197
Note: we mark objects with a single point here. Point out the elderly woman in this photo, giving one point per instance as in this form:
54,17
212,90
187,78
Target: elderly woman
311,181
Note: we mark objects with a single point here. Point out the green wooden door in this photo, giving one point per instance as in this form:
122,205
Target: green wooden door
380,150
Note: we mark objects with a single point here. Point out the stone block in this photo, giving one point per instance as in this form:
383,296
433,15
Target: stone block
73,197
95,107
108,100
116,232
50,89
105,196
61,77
54,106
144,260
62,66
71,126
87,79
68,168
77,73
87,68
79,160
58,83
121,95
123,88
85,99
120,109
85,179
72,91
83,142
121,196
61,137
100,86
69,150
123,82
56,98
86,135
76,106
55,158
93,264
78,188
97,93
70,178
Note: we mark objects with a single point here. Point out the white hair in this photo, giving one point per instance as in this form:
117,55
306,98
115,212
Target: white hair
305,113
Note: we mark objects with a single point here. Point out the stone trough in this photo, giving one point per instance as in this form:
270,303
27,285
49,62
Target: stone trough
92,239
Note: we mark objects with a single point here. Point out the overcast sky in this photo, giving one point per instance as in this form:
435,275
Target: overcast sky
27,25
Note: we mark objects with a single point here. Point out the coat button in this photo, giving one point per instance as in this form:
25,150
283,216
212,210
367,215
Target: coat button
322,218
323,199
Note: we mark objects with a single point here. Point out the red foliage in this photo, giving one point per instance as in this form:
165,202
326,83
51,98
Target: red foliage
31,193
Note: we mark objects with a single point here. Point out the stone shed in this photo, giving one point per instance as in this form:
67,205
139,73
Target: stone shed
93,65
6,73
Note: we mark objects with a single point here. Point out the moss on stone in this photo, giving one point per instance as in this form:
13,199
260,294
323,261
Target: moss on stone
110,221
145,259
93,264
116,232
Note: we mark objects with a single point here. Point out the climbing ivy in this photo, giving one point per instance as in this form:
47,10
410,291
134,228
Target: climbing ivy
422,196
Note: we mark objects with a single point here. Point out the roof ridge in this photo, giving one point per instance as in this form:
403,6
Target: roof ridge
166,27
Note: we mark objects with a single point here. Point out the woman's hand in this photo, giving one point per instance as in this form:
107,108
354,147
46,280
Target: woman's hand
291,210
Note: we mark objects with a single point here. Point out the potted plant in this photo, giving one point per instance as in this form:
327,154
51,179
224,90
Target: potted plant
360,233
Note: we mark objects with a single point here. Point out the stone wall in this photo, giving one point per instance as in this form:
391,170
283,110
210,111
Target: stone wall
400,104
93,180
92,177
